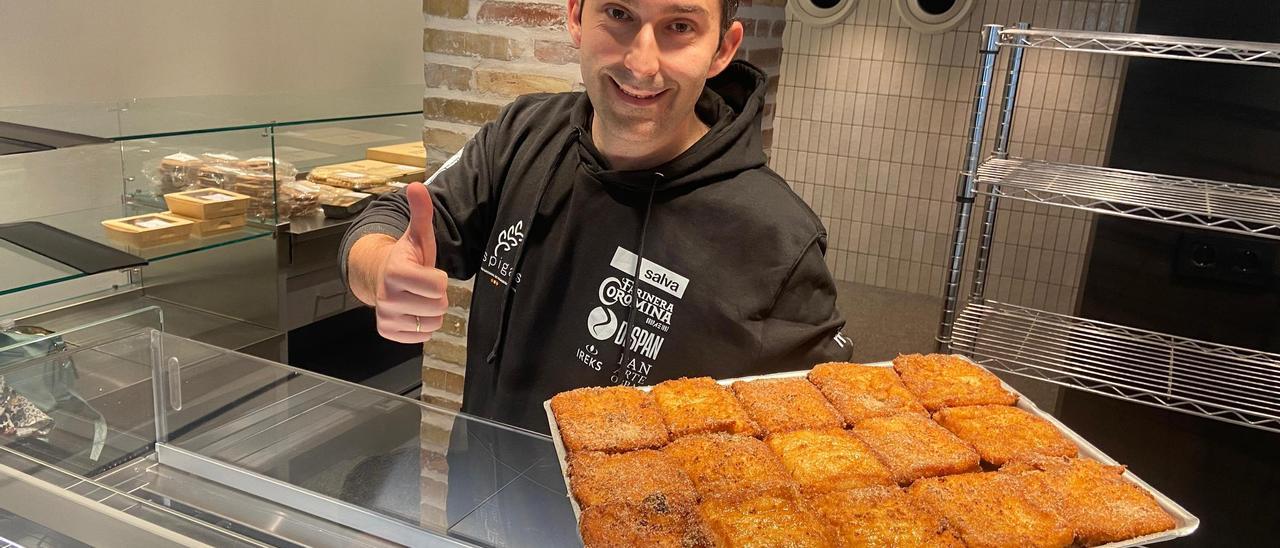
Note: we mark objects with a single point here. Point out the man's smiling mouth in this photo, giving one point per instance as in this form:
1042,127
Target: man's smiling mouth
636,93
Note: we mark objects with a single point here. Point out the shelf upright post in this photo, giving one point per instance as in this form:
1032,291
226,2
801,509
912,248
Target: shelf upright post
992,204
965,193
159,386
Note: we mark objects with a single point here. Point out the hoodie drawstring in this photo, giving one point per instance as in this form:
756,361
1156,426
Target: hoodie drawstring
503,306
629,342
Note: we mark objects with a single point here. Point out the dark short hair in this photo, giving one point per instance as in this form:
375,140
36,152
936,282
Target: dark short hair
728,10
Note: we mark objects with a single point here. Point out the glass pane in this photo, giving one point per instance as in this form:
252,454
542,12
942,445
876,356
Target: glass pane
236,161
150,117
434,471
80,398
76,189
314,144
46,505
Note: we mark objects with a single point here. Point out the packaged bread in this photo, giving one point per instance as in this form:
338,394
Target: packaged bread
220,159
364,174
217,176
293,199
174,173
266,165
353,180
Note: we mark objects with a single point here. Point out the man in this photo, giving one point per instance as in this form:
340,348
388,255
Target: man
560,205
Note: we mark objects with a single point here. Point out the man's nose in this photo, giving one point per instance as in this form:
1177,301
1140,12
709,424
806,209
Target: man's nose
642,56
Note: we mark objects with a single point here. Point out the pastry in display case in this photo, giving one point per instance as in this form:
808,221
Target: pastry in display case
212,211
255,178
389,188
217,176
178,172
409,154
148,229
204,228
362,174
344,205
207,203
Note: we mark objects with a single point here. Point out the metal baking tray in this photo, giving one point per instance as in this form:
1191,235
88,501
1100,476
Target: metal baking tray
1185,522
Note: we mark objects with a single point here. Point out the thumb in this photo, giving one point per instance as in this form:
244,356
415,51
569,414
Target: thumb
421,232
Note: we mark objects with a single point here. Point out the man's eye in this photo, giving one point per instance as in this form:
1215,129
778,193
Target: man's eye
682,28
617,13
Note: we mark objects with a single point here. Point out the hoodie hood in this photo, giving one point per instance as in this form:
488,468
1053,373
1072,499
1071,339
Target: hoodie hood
732,105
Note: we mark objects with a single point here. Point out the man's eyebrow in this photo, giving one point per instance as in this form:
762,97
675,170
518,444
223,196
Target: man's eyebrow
678,8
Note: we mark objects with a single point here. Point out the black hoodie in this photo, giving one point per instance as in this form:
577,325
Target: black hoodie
732,277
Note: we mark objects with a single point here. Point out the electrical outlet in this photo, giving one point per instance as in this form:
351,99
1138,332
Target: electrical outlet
1239,261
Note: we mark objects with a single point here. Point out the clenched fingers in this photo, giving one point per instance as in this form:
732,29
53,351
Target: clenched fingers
426,282
403,302
406,328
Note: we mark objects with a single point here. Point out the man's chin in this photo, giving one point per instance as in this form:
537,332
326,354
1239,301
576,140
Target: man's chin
635,130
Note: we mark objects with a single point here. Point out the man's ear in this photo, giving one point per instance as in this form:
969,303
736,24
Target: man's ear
575,22
728,48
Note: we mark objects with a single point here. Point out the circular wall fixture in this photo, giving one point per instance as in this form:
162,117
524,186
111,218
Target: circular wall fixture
821,13
932,16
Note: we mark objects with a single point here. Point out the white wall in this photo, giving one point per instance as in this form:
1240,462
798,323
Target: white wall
872,121
70,51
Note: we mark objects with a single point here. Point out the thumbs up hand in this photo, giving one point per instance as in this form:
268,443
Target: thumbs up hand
410,300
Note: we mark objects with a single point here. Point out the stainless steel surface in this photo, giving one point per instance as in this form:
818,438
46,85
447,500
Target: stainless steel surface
1221,382
323,446
271,489
965,192
1146,45
1197,203
992,205
78,517
97,513
315,226
258,518
1185,522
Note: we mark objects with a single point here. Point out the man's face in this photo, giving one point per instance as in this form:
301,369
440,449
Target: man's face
645,62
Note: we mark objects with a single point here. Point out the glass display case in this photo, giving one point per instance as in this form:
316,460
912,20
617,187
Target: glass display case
155,117
154,439
82,222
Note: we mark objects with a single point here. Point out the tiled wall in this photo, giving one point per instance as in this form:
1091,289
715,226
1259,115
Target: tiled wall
872,120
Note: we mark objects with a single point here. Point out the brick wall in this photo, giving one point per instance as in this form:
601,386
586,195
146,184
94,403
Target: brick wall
763,23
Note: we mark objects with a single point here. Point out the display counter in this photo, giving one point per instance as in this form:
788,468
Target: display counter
155,439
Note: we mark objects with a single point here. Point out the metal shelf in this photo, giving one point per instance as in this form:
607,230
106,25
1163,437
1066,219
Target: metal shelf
1220,382
1145,45
1198,203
